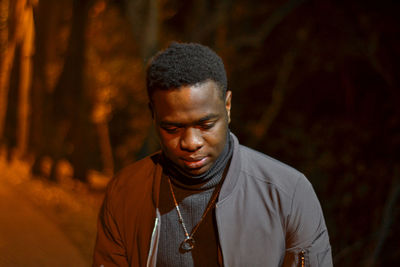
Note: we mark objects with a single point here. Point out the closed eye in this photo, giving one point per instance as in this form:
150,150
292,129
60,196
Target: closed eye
207,126
170,129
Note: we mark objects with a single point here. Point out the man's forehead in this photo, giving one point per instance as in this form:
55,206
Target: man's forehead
202,86
187,108
189,121
205,94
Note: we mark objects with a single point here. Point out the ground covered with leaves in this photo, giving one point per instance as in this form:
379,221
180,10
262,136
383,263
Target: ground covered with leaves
44,223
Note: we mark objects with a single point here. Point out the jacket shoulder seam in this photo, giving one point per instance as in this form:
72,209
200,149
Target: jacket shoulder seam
263,180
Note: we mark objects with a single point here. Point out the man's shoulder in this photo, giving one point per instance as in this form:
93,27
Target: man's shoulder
264,168
141,166
257,162
136,174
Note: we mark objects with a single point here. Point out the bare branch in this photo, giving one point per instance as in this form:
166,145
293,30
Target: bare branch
262,126
258,38
387,219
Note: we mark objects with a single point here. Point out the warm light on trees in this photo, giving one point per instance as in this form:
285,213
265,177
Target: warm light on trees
315,84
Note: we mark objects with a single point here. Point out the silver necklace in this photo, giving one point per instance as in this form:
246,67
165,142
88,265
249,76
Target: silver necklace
188,243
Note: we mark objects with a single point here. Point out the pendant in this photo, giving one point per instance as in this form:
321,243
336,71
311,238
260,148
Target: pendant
188,244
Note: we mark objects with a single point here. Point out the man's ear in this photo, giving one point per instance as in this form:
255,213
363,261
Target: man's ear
150,106
228,103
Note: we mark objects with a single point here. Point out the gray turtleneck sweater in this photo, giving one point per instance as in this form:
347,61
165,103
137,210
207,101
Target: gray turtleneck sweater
193,194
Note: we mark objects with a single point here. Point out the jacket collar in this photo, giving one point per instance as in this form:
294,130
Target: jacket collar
156,158
229,182
232,175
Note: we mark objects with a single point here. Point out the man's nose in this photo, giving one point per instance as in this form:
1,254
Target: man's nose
191,140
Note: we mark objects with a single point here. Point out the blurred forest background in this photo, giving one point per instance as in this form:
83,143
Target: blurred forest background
315,84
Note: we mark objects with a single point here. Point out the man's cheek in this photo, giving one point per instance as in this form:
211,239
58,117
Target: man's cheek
171,146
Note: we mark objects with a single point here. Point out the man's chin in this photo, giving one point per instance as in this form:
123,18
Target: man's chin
195,171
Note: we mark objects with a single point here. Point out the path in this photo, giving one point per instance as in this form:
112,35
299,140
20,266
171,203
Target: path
27,236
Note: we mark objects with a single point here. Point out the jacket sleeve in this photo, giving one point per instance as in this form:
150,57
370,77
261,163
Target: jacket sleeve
109,249
307,240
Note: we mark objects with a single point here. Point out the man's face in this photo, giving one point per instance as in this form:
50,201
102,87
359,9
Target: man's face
192,123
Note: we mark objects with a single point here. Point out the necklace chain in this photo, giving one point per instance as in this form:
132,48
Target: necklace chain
188,243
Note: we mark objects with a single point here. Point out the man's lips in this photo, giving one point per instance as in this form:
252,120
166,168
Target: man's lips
194,163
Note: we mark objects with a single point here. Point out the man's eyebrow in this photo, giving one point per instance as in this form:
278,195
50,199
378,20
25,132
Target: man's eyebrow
201,120
208,117
167,123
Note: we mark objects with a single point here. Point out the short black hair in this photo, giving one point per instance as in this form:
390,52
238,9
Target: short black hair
185,64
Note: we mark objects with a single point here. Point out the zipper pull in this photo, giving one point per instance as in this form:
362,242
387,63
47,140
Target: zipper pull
302,258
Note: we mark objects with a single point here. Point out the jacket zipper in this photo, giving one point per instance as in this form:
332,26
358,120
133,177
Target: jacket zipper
151,251
302,258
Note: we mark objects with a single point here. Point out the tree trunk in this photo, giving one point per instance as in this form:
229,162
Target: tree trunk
27,48
147,35
76,132
7,58
151,31
105,148
49,15
145,22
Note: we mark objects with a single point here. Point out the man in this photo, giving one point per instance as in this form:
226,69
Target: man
206,200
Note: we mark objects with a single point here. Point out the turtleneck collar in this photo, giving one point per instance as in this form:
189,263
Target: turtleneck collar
209,179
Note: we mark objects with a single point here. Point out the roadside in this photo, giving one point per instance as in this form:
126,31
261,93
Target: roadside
44,223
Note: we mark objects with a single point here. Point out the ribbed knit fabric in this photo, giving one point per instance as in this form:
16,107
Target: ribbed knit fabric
193,196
